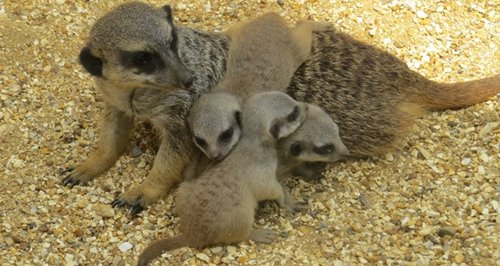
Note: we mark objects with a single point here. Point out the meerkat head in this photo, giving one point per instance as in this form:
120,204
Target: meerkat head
135,45
215,121
316,140
273,115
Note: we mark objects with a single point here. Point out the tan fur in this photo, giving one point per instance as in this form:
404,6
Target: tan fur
372,95
163,95
218,207
263,55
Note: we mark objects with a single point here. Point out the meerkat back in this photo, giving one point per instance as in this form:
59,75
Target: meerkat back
265,52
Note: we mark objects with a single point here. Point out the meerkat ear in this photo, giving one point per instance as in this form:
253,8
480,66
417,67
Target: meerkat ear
91,63
168,10
275,128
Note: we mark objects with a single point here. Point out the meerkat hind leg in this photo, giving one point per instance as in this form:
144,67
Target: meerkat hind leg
302,37
262,236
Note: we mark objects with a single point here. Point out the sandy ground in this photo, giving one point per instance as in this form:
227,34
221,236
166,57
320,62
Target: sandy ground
434,201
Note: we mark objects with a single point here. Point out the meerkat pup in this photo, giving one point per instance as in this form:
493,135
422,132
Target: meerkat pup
219,206
316,140
263,55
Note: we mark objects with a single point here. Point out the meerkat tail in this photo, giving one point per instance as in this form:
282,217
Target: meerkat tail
440,96
156,248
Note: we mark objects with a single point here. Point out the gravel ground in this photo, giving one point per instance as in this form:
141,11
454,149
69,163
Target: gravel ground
434,201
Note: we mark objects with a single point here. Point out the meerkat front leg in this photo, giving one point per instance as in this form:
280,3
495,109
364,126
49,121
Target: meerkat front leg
167,170
114,140
277,191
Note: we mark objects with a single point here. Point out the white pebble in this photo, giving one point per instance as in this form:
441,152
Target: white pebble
125,246
484,157
466,161
421,14
481,170
495,205
203,257
231,249
70,259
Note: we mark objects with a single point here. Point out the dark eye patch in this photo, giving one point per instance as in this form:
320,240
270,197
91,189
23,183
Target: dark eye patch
201,142
237,117
325,149
144,61
295,149
293,115
226,135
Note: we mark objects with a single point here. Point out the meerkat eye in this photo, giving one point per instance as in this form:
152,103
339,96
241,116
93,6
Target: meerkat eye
201,142
142,58
293,115
226,135
295,149
326,149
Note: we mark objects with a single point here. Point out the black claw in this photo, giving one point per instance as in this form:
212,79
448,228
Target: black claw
118,203
70,181
136,207
69,170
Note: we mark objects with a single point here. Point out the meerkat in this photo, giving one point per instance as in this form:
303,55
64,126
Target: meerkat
219,206
251,68
316,140
155,80
371,94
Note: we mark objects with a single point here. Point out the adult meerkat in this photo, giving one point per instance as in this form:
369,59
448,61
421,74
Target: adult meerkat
251,68
153,80
219,206
373,95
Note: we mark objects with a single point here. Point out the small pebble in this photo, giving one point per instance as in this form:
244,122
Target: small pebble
459,258
203,257
466,161
104,210
125,246
421,14
135,151
43,228
446,231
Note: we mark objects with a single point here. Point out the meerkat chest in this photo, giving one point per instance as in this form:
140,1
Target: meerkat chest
115,96
260,178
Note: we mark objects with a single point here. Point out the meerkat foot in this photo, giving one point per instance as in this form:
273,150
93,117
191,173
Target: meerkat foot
295,207
138,198
77,176
262,236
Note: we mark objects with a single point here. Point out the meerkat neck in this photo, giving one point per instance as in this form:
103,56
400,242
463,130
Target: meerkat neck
204,53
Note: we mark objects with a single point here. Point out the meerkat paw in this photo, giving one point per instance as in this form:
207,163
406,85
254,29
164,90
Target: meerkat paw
295,207
77,176
262,236
138,198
